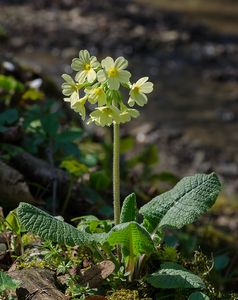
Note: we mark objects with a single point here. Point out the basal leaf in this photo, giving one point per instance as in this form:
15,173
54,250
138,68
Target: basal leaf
49,228
13,222
198,296
174,276
6,282
133,237
191,197
129,209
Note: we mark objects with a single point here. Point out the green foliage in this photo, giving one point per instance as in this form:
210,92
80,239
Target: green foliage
32,94
126,144
135,241
9,86
12,222
118,279
7,283
198,296
174,276
129,209
221,262
8,117
100,181
138,237
50,124
168,254
182,205
77,291
74,167
91,224
50,228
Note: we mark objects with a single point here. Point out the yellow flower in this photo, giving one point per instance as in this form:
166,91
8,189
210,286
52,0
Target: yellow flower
69,86
96,95
86,66
113,72
105,116
128,113
78,104
138,91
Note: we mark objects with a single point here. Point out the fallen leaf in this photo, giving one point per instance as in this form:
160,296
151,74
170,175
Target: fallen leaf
96,274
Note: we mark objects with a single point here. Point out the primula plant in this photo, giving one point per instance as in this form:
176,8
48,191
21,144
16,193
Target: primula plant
136,236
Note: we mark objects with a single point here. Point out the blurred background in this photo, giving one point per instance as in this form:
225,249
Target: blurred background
188,48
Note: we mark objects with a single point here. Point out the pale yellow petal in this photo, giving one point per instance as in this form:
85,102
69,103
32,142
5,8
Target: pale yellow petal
101,76
121,63
124,76
113,83
142,81
91,76
147,87
108,63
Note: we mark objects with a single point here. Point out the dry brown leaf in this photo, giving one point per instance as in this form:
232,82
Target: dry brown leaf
96,274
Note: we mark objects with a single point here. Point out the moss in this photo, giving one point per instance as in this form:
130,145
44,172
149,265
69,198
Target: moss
36,263
168,254
126,294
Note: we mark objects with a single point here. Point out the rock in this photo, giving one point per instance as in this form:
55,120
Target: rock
37,284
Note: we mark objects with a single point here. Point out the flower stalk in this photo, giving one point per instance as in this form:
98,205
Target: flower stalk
116,172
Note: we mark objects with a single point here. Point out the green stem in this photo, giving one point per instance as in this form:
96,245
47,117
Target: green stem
116,173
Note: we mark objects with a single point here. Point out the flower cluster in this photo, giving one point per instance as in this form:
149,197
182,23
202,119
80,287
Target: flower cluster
100,84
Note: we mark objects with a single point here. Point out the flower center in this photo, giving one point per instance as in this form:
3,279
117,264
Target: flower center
112,72
98,91
87,67
136,89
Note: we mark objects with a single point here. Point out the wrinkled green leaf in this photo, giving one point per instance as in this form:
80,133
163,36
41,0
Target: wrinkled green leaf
6,282
174,276
129,209
198,296
182,205
49,228
133,237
